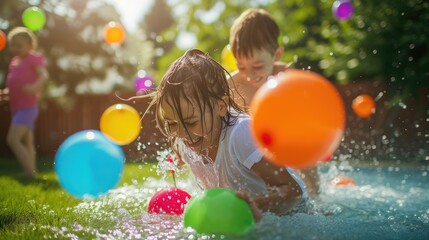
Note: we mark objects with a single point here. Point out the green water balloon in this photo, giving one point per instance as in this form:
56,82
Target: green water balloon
34,18
218,211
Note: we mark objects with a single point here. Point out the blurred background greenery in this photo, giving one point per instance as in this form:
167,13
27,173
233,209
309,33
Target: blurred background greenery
384,41
381,50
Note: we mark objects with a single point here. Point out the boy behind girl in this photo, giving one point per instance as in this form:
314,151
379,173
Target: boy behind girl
254,43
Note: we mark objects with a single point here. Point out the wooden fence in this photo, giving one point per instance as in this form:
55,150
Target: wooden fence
390,132
56,123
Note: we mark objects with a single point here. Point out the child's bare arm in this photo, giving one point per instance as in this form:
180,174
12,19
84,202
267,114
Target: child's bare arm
279,200
41,80
284,191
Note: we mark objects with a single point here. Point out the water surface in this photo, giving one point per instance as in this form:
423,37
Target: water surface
390,202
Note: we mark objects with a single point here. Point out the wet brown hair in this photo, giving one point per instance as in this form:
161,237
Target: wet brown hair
194,76
254,29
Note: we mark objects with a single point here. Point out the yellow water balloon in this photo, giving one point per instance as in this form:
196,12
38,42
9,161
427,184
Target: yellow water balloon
121,123
228,59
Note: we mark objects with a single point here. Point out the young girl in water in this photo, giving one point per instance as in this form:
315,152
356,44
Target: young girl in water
25,80
211,133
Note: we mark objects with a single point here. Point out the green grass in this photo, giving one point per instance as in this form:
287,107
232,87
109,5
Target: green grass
31,208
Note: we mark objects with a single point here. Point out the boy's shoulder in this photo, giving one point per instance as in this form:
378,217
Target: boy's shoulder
280,67
235,77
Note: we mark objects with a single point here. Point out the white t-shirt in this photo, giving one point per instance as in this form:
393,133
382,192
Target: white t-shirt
236,154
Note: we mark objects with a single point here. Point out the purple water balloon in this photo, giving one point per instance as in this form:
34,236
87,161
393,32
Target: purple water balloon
342,9
143,82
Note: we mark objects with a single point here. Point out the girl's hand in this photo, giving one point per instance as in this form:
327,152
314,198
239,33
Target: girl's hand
257,213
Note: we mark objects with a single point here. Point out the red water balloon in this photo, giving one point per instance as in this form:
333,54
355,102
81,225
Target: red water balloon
169,201
3,40
363,106
298,117
328,157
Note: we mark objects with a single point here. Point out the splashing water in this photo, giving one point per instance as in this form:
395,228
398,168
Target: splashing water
389,203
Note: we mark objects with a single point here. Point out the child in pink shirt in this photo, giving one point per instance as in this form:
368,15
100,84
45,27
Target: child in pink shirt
25,80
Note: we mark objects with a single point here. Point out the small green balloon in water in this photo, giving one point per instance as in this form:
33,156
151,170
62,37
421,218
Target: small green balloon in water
34,18
218,211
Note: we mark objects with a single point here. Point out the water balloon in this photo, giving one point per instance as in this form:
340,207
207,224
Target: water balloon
121,123
328,157
33,18
342,9
88,164
169,201
228,59
143,82
114,33
298,118
343,181
363,106
218,211
3,40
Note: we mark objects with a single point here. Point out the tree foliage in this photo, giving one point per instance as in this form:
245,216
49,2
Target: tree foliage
79,61
154,23
384,40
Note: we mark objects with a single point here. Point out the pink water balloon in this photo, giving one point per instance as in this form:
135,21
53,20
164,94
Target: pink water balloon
169,201
342,9
143,82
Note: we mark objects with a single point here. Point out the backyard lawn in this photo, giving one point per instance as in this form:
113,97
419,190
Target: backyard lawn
40,208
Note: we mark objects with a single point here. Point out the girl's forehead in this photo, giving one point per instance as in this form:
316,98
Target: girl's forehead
171,111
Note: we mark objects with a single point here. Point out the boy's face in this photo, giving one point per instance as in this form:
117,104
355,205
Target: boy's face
203,127
257,68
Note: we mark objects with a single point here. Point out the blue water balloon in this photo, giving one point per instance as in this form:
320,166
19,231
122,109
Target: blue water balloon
88,164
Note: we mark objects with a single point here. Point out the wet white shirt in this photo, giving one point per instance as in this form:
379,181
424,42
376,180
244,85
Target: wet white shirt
236,154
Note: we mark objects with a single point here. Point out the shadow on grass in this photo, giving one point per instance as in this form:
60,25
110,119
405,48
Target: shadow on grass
6,219
10,165
45,177
43,183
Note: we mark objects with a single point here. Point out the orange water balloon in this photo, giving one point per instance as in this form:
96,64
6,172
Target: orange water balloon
3,40
121,123
298,117
228,59
114,33
363,106
343,181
